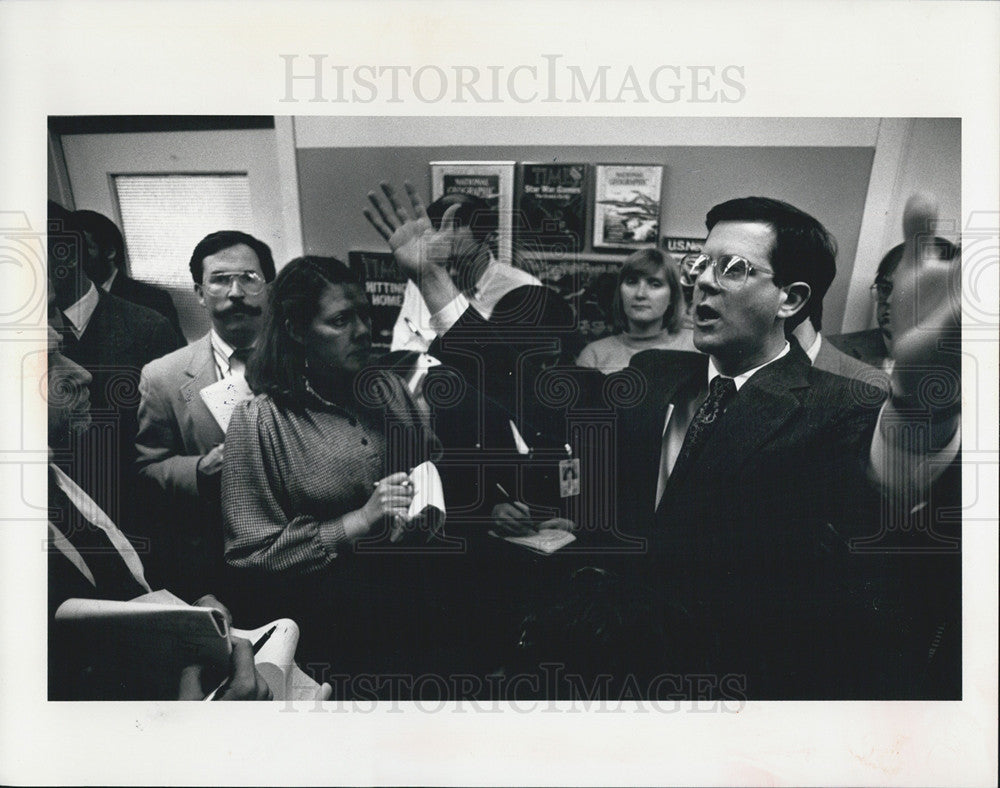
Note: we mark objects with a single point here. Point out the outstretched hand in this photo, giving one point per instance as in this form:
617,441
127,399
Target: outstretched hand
419,249
926,316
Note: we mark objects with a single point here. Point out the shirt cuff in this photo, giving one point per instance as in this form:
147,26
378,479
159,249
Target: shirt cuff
893,466
333,533
443,320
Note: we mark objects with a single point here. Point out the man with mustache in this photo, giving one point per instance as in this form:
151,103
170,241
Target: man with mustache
180,443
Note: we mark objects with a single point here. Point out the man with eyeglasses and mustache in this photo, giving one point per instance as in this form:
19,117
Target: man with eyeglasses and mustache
759,481
180,443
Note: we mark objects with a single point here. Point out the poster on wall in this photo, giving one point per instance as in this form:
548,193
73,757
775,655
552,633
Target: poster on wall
588,286
627,200
491,180
384,285
552,207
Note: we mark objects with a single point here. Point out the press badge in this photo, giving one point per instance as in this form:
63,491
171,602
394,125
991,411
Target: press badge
569,477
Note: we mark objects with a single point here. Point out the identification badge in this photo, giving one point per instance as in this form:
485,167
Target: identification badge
569,477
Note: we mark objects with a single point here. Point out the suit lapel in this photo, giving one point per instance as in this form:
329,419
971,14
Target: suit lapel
668,375
762,407
201,373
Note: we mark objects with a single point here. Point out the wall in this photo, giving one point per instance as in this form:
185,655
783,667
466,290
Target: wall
706,161
911,155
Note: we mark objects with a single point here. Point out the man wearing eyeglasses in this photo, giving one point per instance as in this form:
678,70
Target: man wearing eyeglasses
756,478
180,443
874,346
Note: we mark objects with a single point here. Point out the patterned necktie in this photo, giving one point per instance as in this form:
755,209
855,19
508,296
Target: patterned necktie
238,360
720,393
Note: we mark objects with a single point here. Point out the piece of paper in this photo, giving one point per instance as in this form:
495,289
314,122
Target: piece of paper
546,541
223,396
427,509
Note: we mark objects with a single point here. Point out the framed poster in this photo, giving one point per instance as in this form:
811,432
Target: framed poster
384,285
627,200
552,207
491,180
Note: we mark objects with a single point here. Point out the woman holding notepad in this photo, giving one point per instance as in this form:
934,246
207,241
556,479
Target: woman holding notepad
315,484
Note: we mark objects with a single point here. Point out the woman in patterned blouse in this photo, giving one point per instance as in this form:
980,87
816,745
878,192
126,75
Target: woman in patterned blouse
315,477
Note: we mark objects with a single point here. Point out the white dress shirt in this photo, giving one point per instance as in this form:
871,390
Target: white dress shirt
416,328
78,314
225,365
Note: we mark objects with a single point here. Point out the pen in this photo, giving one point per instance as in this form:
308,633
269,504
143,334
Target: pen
257,646
263,639
503,492
413,328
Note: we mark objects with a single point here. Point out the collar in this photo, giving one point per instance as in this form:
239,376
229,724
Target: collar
106,287
742,378
813,350
222,352
79,313
220,346
496,281
486,278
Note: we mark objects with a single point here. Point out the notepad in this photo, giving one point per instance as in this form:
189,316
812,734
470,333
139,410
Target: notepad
223,396
546,541
137,649
427,509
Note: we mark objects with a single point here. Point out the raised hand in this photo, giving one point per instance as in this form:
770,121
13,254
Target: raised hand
926,317
419,249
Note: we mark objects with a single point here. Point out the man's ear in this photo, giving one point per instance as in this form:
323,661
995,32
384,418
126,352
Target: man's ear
198,291
796,297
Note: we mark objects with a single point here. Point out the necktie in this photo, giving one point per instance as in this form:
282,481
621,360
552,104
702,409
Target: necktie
720,393
238,360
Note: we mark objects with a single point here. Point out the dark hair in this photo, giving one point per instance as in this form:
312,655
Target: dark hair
278,363
223,239
645,261
888,264
804,251
474,212
105,232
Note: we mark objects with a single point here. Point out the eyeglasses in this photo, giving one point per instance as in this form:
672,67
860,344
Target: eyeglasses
250,282
881,289
731,271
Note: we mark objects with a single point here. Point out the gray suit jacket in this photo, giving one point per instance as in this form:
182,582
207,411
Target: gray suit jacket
175,430
867,346
175,426
833,360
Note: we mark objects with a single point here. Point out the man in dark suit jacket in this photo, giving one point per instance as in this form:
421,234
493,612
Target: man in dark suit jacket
490,363
752,519
89,557
112,339
104,263
502,440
